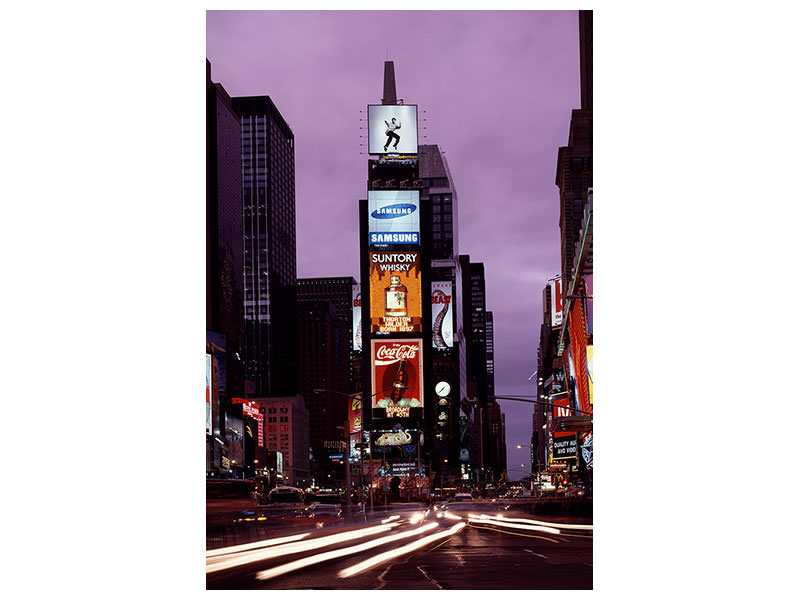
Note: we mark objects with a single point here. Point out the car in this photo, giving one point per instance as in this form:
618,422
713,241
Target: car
324,512
462,497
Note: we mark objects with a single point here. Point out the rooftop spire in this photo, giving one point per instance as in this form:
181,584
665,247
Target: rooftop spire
389,90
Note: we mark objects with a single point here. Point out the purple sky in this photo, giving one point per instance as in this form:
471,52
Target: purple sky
498,88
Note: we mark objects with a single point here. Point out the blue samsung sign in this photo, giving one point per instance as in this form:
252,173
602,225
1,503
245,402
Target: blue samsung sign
393,211
397,237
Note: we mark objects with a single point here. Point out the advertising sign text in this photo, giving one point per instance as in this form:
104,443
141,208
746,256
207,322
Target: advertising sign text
397,375
395,290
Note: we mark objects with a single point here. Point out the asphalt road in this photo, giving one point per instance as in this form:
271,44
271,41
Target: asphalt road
459,547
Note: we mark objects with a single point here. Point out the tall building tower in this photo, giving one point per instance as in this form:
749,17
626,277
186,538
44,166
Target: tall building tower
324,365
574,166
270,269
224,320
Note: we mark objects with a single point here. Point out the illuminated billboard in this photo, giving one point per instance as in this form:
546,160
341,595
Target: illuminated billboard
395,292
357,342
354,413
208,394
556,309
590,370
393,217
392,128
397,376
442,314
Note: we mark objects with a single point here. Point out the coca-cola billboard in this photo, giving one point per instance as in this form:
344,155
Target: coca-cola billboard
397,376
442,314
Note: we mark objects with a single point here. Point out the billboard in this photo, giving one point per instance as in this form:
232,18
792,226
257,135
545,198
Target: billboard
395,292
357,342
565,447
354,413
392,128
442,314
589,369
561,402
397,376
208,394
393,217
556,309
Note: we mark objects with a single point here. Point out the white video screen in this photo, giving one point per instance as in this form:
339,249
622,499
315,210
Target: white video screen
392,128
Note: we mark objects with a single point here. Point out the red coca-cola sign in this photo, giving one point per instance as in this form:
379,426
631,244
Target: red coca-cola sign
387,358
396,352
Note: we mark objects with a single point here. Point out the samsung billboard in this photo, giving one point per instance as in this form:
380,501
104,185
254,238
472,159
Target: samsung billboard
392,128
393,217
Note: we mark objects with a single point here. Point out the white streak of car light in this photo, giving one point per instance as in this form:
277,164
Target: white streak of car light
492,521
545,523
449,515
389,519
254,545
220,563
376,560
318,558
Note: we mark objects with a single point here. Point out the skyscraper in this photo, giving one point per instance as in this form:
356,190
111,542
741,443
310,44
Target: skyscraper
224,319
326,364
270,269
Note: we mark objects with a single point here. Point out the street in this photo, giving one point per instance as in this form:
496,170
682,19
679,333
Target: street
474,545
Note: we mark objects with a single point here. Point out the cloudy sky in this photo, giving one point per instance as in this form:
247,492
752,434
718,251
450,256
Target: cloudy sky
496,89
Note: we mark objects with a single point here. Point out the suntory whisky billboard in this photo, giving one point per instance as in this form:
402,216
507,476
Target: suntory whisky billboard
395,292
397,376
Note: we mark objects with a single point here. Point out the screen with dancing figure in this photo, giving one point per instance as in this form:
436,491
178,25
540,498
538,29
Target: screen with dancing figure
392,128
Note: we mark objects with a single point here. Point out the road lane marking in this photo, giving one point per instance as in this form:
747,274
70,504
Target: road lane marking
429,578
534,553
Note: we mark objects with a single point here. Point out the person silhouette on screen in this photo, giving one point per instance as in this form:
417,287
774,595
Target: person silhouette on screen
390,134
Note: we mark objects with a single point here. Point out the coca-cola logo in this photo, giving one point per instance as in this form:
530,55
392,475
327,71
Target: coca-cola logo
397,352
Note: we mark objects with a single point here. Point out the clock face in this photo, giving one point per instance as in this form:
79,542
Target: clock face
442,388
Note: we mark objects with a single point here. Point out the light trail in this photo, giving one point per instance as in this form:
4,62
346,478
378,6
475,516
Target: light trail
325,556
220,563
545,523
254,545
376,560
390,519
492,521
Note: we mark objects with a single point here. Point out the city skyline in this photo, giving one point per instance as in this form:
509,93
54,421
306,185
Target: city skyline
495,91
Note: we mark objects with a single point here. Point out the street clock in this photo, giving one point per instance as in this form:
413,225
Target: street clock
442,388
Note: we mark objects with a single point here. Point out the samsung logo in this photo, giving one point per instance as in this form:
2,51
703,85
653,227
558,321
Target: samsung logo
393,211
394,238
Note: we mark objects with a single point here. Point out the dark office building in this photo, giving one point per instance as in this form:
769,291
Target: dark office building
339,290
270,270
224,319
324,364
574,167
